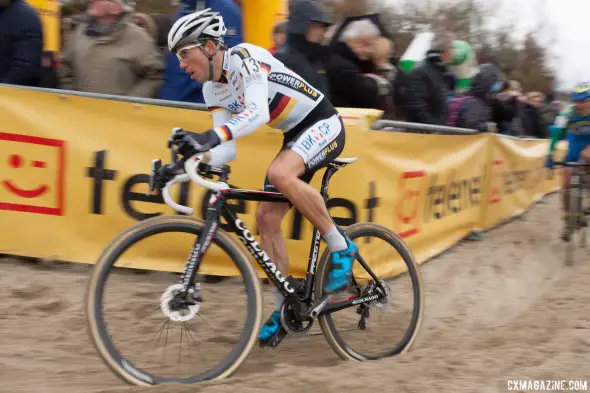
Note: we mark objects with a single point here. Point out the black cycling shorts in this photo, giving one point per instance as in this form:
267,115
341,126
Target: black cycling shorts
318,145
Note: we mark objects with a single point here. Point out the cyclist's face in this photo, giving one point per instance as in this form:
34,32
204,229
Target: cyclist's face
194,62
583,107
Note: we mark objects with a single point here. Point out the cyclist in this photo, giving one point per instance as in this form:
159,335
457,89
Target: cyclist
573,123
249,82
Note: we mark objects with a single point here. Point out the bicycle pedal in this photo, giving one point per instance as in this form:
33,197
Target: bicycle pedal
274,340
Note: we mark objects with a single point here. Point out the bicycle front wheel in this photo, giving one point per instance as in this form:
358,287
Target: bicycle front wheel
381,328
217,328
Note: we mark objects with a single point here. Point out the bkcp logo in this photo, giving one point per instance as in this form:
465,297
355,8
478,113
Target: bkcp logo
32,174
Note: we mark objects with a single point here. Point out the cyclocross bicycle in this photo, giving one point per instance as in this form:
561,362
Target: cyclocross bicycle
579,207
186,299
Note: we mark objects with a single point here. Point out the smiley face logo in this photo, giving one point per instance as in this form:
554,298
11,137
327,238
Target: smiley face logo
16,161
32,174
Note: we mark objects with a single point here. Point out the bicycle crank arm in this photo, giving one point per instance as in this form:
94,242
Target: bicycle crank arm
318,306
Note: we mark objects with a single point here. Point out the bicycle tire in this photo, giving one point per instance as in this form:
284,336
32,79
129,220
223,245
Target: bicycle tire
573,222
95,321
327,326
585,207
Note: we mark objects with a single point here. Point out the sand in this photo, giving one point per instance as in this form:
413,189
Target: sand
502,309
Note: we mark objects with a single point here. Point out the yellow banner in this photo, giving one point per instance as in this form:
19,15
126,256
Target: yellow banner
430,187
517,177
49,11
259,18
75,174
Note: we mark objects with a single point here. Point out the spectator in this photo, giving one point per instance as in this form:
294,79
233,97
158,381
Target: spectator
109,54
178,85
21,43
473,109
157,26
163,24
531,116
279,35
351,70
504,108
428,84
49,76
303,51
382,53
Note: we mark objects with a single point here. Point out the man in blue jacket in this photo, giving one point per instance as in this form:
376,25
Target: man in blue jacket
178,86
21,43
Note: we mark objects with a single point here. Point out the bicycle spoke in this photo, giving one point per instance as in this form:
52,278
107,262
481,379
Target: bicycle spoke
204,320
188,332
180,345
161,330
166,341
190,328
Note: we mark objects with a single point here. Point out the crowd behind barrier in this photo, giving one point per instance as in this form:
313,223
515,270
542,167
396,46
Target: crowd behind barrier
355,64
434,190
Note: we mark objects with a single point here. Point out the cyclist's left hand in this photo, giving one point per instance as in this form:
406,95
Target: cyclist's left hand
191,143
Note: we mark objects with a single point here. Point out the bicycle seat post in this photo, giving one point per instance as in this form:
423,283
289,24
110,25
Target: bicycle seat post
330,170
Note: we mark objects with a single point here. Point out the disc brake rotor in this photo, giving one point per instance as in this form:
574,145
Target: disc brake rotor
187,312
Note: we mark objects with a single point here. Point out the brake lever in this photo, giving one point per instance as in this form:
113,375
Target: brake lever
156,165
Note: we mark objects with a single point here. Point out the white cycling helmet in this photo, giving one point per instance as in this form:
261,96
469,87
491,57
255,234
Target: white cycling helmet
199,25
195,27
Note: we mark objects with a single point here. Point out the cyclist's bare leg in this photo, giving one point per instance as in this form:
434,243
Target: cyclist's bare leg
586,154
269,217
284,174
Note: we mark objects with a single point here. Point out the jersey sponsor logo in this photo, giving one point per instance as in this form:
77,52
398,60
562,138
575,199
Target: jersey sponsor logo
317,136
244,119
225,62
254,78
234,106
323,154
295,84
220,89
579,127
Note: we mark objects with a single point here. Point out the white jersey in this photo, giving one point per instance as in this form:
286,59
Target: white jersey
259,90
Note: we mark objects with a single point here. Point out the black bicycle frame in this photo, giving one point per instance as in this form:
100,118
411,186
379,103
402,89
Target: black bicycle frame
218,207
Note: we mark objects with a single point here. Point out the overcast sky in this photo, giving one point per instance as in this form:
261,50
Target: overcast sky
569,22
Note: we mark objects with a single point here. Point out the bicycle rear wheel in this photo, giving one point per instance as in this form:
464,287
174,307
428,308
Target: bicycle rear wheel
146,303
395,263
574,223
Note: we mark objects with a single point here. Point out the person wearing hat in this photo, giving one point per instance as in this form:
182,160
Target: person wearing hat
109,54
303,51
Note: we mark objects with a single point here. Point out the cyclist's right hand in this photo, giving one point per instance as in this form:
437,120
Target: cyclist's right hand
549,162
190,143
